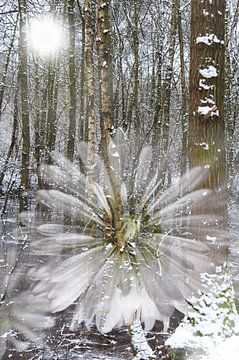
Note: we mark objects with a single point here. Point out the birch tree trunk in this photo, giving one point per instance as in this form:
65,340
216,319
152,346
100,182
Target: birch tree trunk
105,71
134,96
23,79
167,88
82,126
89,11
72,80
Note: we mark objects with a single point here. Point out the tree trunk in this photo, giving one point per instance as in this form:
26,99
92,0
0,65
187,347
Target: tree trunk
13,137
183,93
157,101
89,11
206,125
23,78
168,77
105,71
230,122
134,98
81,129
4,76
72,79
37,122
51,106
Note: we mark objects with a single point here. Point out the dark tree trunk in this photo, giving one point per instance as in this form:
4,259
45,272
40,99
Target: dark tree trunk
206,125
52,94
184,117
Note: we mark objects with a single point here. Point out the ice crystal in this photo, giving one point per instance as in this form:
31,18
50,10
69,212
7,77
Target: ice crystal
122,248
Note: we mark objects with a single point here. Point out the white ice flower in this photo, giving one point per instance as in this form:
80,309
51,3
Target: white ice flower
129,250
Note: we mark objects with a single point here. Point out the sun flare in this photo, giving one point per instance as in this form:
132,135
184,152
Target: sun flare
45,35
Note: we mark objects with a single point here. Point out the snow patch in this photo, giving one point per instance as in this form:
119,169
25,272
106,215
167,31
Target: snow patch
207,101
211,331
228,349
209,72
204,86
207,110
209,39
205,146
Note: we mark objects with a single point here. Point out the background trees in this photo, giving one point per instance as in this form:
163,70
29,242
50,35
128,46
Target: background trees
117,64
137,60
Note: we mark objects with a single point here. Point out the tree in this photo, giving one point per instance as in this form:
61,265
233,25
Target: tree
134,26
81,129
52,95
89,10
23,78
206,120
206,125
4,76
183,90
72,80
167,87
14,136
105,70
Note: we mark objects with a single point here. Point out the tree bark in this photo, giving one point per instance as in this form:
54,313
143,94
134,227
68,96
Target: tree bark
13,137
89,11
82,130
52,95
167,88
23,78
134,98
206,125
5,71
183,93
72,80
157,100
105,71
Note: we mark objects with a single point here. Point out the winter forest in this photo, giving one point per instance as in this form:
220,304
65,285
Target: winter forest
119,185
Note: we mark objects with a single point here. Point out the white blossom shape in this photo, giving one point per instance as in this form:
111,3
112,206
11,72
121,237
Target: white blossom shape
126,249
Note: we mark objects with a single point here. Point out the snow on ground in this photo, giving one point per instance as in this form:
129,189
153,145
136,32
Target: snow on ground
211,330
228,349
225,348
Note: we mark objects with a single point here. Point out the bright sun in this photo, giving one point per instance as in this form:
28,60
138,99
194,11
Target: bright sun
45,35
